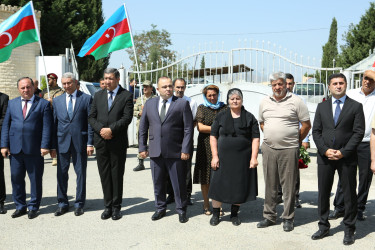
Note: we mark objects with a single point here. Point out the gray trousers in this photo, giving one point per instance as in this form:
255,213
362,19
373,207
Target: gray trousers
279,166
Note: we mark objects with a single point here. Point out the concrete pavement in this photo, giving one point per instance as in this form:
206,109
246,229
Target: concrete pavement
136,230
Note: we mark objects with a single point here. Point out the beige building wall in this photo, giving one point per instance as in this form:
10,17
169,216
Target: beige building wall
22,61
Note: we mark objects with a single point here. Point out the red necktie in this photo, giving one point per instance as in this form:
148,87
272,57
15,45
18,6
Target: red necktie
24,110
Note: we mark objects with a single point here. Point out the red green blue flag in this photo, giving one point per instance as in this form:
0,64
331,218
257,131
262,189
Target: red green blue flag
19,29
113,35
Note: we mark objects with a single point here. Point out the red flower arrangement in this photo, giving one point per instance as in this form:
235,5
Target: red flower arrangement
304,158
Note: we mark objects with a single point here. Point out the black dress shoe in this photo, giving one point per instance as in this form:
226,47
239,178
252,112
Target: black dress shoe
116,214
2,209
298,204
170,199
360,216
265,223
19,213
182,218
320,234
158,215
32,214
61,210
235,221
78,211
215,220
348,238
288,225
106,214
335,215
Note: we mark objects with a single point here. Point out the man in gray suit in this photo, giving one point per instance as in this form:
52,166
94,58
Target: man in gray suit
169,122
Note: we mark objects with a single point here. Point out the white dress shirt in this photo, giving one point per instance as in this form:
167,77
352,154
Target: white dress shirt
167,104
342,99
74,99
29,103
368,103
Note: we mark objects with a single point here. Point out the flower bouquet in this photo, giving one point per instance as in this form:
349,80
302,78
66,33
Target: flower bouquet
304,158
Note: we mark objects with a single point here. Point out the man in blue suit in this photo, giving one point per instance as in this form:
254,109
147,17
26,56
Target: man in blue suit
72,139
168,121
25,139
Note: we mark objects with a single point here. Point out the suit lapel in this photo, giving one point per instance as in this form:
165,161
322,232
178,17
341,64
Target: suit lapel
33,106
117,97
344,108
62,105
78,102
171,107
330,111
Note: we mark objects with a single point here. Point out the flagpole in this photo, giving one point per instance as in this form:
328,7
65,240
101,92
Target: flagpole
135,55
40,44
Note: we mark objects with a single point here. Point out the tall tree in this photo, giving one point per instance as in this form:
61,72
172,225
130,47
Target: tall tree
66,22
330,50
152,46
203,63
359,39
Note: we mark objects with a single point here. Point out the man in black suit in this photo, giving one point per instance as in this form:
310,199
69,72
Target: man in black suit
111,113
168,122
339,126
3,109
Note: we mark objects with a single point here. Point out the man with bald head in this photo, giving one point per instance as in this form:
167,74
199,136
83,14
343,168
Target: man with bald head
168,122
366,96
25,139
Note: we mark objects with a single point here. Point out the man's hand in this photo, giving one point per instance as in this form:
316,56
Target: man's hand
373,166
253,163
306,145
215,162
5,152
185,157
90,150
53,153
44,151
338,155
143,154
333,154
106,133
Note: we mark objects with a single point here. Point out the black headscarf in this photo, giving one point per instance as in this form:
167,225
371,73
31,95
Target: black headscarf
228,125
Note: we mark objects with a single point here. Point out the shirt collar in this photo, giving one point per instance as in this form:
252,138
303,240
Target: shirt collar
288,94
31,99
115,90
74,94
342,99
169,100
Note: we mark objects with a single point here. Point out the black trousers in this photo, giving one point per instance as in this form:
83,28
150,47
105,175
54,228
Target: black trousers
364,179
2,180
111,166
189,181
348,178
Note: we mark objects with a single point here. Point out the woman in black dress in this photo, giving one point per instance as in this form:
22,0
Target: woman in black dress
234,144
206,114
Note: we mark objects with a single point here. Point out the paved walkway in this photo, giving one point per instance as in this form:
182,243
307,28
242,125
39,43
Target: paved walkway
136,230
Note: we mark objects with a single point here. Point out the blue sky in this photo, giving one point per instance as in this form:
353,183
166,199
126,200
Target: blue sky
299,26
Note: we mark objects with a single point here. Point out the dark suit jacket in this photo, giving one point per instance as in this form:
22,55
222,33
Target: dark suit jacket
4,99
170,138
30,134
345,136
117,119
76,130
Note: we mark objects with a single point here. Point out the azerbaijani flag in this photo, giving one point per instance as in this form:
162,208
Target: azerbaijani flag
113,35
19,29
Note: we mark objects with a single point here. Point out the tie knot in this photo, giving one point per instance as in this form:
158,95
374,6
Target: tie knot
338,101
165,101
110,92
25,100
70,95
